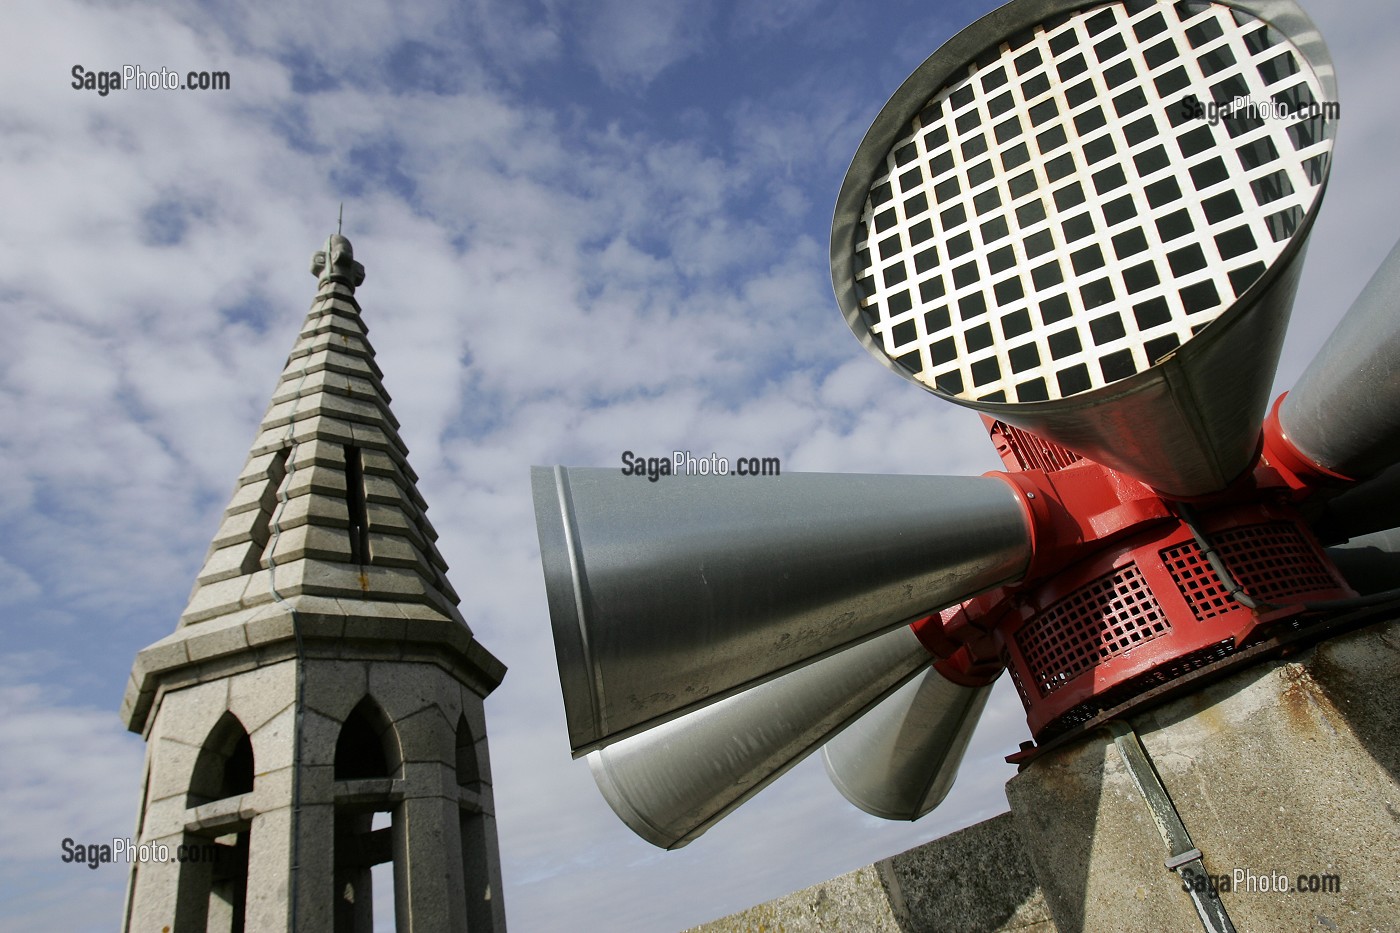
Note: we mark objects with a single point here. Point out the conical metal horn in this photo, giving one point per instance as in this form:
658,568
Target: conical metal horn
1344,413
675,781
666,596
1072,244
899,760
1370,563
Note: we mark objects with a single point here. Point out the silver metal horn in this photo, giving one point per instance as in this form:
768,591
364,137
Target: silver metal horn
900,760
1344,413
667,596
1062,220
675,781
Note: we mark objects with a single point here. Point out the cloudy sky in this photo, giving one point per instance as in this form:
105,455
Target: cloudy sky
588,228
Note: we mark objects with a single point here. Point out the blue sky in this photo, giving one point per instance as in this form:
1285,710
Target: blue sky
587,228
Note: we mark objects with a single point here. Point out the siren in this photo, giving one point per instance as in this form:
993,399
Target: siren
671,783
667,596
1047,224
1087,223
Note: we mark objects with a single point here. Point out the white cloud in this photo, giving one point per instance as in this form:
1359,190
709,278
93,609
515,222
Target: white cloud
67,772
631,43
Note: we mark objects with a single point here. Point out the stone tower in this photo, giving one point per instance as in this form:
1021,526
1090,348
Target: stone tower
318,710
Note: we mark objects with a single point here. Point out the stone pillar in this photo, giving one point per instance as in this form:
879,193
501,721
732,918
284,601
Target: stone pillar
425,832
1289,768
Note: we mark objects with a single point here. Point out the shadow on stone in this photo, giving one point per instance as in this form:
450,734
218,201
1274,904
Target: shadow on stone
977,880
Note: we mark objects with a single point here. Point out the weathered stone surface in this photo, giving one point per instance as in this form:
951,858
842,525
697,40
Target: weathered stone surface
214,598
215,638
1281,770
855,901
976,880
267,625
241,527
310,541
225,563
188,715
171,762
256,468
316,478
334,687
404,690
426,736
272,741
426,828
308,508
252,494
318,452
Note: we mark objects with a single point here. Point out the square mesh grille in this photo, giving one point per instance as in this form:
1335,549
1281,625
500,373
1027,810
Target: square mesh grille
1062,217
1020,687
1033,452
1100,620
1272,562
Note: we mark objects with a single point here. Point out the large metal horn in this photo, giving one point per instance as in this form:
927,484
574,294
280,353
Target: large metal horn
1086,238
900,760
1344,413
667,596
675,781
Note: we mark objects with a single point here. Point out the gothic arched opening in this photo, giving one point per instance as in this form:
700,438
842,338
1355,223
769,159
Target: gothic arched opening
368,746
224,767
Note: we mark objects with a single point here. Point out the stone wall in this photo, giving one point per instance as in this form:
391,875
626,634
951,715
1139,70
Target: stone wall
977,880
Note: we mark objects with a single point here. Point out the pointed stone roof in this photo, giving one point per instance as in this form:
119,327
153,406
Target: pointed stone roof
326,527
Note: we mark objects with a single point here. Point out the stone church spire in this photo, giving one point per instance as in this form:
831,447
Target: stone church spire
320,674
351,494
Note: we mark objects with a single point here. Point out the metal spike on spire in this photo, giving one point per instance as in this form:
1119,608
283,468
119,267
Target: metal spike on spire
340,220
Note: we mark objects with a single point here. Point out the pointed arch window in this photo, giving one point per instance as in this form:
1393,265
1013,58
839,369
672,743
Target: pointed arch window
213,889
368,746
224,767
368,825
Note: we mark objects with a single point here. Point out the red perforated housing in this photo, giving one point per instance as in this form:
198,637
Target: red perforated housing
1121,596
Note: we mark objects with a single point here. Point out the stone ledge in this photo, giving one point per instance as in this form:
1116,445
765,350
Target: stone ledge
352,629
976,880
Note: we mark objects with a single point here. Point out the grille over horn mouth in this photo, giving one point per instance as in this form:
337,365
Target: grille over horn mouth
1065,202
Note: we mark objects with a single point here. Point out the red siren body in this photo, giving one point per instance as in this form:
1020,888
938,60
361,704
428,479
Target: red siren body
1121,594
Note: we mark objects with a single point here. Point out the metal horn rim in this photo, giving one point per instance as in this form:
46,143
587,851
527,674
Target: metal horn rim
966,714
565,586
935,72
671,785
1205,446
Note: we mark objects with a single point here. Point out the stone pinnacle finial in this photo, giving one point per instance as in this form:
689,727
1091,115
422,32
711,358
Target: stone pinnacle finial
336,263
